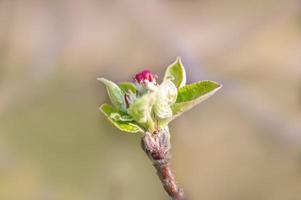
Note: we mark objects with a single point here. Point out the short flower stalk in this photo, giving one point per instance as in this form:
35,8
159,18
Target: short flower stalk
147,107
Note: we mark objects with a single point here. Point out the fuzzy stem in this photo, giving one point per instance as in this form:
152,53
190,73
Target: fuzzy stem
157,146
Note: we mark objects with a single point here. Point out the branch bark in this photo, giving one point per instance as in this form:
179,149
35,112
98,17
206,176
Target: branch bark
157,147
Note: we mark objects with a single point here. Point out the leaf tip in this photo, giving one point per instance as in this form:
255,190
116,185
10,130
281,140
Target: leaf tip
102,108
101,79
178,59
218,85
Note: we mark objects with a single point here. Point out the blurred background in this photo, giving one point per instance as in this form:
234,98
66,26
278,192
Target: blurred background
243,143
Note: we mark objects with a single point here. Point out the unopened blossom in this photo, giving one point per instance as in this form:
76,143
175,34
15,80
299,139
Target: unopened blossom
145,80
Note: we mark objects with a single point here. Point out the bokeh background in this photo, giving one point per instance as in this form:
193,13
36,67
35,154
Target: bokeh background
243,143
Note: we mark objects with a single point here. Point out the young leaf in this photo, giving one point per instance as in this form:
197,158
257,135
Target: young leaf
176,73
141,109
115,93
193,94
121,117
110,112
167,92
126,86
166,96
162,110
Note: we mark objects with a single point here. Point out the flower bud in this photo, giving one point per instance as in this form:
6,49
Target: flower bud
145,80
145,75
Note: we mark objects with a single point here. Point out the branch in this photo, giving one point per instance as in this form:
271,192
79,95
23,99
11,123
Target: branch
157,146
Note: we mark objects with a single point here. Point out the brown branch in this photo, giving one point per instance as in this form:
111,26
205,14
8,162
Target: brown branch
157,146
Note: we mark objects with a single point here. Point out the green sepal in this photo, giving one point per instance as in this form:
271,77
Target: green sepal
127,126
127,86
193,94
176,73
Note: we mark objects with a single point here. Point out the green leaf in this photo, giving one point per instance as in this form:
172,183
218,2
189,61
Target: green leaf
141,109
168,92
110,112
166,96
176,73
162,110
115,93
193,94
121,117
128,86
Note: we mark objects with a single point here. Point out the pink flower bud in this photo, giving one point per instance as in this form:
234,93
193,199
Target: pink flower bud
145,75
